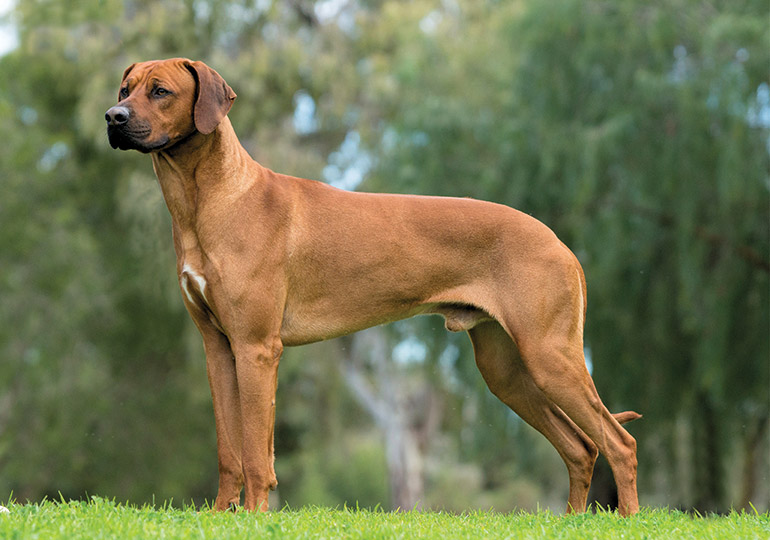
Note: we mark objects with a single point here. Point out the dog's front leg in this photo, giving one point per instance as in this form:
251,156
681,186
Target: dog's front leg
257,371
220,365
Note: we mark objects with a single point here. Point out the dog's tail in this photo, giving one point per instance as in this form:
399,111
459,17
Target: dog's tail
626,416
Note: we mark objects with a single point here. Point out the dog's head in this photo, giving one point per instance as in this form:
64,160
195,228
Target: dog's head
163,102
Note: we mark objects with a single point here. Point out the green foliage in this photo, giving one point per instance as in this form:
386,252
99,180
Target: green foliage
631,129
351,468
101,518
637,130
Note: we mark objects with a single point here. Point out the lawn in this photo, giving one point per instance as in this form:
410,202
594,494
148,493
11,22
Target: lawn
101,519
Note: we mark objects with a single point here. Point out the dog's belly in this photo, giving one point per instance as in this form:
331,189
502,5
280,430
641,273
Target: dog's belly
338,300
322,307
300,330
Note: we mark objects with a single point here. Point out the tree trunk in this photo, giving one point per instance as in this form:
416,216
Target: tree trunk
405,463
603,491
753,445
707,452
407,417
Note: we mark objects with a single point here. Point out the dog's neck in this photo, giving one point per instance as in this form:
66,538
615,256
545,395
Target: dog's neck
201,167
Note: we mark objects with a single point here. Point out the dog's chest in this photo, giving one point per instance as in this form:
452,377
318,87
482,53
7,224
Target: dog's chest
194,286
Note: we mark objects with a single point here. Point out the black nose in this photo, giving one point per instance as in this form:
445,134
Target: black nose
117,116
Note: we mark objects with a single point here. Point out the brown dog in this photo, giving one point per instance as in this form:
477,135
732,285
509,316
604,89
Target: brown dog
266,260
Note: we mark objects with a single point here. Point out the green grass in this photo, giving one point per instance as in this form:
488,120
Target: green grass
99,518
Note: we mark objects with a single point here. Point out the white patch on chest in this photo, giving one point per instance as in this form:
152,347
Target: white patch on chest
193,282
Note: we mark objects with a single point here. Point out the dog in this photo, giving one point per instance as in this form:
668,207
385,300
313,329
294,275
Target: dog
266,260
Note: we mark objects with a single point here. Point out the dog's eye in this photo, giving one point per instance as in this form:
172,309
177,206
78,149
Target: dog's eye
124,92
160,91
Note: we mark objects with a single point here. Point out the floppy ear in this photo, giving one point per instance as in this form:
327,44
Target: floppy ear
213,100
125,74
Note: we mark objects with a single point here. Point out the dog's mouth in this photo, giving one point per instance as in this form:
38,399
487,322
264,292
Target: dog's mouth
134,138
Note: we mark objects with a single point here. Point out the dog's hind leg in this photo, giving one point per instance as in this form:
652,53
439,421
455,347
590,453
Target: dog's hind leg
547,328
500,364
565,380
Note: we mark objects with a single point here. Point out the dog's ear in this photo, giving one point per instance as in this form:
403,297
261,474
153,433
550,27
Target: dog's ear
125,74
128,70
213,98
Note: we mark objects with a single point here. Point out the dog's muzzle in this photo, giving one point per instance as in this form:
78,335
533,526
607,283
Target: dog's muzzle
127,133
117,115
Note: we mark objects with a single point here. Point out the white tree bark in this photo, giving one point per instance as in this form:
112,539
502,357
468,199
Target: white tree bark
407,417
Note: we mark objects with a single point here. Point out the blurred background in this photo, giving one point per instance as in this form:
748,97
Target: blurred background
638,130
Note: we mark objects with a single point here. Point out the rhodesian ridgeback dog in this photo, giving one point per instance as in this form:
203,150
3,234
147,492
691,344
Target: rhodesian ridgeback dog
267,260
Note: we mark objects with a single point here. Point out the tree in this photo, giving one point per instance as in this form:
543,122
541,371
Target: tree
405,407
637,130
